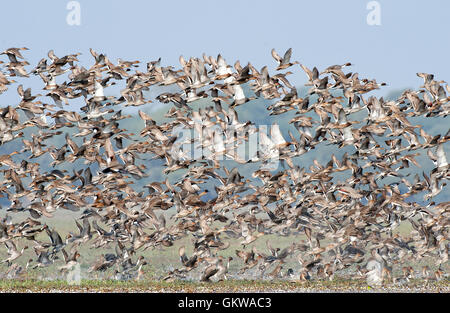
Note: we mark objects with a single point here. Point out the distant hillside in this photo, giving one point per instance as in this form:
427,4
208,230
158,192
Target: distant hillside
254,111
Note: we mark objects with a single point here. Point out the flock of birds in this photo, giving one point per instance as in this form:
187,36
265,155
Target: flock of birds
343,222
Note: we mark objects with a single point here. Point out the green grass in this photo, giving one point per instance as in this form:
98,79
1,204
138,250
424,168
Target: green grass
337,285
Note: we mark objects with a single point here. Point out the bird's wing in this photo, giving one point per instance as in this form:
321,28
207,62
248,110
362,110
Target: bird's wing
276,56
287,56
276,135
441,159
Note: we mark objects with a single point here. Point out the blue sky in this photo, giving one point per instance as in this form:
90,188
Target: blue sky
413,35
